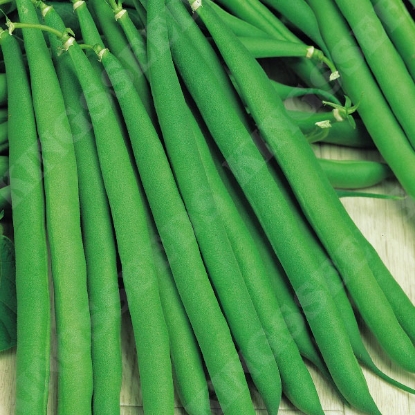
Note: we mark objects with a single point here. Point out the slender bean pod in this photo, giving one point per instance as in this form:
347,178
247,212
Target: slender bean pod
98,236
63,224
32,275
256,13
279,133
119,45
384,61
299,13
182,250
185,353
386,134
135,39
400,27
210,232
355,174
296,381
252,173
133,239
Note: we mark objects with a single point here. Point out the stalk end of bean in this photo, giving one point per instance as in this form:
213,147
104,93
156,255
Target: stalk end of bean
344,112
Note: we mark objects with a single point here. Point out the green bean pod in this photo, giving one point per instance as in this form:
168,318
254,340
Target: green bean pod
187,25
251,171
359,84
296,381
119,45
355,174
98,236
3,89
4,168
133,239
4,132
135,38
400,27
5,197
211,234
32,275
4,115
63,223
182,250
342,134
185,353
267,47
319,202
384,61
287,91
308,121
386,134
299,13
239,27
256,13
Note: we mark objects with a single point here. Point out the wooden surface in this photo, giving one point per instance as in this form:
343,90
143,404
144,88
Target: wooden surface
390,227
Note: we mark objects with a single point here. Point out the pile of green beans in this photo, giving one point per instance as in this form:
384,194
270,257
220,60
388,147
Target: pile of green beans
168,150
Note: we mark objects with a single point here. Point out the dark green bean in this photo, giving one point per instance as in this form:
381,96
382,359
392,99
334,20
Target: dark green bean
256,13
299,13
287,91
239,27
4,132
3,89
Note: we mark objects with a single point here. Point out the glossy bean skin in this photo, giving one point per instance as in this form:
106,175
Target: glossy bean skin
355,174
